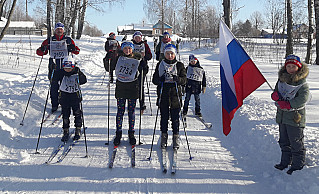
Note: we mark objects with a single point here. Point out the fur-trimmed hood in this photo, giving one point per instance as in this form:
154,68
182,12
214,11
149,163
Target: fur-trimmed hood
284,76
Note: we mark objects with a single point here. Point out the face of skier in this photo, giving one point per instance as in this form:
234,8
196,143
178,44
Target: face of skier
170,55
59,31
127,50
137,39
193,62
68,69
291,68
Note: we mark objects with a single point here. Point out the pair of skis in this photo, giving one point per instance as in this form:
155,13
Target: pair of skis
55,120
207,125
61,146
165,161
114,154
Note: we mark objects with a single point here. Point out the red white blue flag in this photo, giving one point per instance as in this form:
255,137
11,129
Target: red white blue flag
238,73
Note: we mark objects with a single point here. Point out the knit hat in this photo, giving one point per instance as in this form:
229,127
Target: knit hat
59,25
111,35
166,34
170,47
294,60
127,43
192,58
137,33
68,62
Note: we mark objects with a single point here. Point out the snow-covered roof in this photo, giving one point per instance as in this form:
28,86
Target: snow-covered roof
17,24
135,27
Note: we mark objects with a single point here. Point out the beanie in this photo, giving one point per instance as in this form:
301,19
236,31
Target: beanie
170,47
294,60
192,58
59,25
127,43
137,33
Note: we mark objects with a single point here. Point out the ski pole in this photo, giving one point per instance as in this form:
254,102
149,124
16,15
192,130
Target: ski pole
108,106
159,104
141,99
82,115
149,97
179,100
36,75
45,107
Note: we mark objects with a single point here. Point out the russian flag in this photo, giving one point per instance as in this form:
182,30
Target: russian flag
238,73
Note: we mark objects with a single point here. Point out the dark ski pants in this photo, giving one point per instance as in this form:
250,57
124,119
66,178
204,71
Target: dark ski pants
167,112
68,102
292,146
188,98
120,113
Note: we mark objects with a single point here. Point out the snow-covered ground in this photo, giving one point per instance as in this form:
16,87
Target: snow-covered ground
242,162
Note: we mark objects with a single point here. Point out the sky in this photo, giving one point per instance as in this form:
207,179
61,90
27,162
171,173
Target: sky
132,12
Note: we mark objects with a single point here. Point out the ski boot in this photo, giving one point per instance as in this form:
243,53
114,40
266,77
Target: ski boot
131,137
77,133
164,140
54,109
117,139
65,136
175,141
280,166
199,114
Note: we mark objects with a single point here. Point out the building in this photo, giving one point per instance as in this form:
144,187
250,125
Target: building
146,29
157,28
20,27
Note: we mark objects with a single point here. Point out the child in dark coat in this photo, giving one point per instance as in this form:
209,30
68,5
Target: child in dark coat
70,95
196,83
169,75
291,95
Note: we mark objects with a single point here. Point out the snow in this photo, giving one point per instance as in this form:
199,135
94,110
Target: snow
241,162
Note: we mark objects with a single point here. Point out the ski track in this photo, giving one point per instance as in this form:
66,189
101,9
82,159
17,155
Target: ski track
242,162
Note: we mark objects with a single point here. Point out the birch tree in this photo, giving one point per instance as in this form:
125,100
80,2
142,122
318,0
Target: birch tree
289,46
317,30
310,30
3,32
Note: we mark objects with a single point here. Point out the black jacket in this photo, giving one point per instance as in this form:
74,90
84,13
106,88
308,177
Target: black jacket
192,86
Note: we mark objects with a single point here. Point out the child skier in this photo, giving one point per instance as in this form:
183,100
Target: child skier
70,95
127,89
165,40
169,75
291,94
112,47
196,83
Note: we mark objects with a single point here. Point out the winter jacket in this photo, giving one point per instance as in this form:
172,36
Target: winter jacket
148,53
158,51
129,90
58,77
112,47
192,86
169,93
56,63
298,102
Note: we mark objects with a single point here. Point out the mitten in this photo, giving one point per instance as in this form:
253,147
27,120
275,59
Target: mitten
204,90
162,78
275,96
284,105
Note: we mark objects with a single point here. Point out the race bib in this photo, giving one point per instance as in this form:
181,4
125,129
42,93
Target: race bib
114,44
58,49
126,69
168,70
139,48
70,84
287,91
195,73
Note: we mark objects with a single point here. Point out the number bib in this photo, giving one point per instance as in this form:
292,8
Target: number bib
126,69
58,49
70,84
287,91
168,69
113,43
139,48
195,73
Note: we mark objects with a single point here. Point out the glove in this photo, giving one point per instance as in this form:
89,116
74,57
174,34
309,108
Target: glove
71,48
175,78
204,90
275,96
284,105
162,78
43,48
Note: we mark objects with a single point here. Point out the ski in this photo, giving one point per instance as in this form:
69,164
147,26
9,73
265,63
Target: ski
164,160
113,156
57,150
174,164
207,125
184,121
133,156
64,154
56,119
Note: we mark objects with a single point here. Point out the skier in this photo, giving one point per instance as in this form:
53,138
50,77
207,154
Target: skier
70,95
168,75
144,50
112,47
60,46
165,40
291,94
127,88
196,83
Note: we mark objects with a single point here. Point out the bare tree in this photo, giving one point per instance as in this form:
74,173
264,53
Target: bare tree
310,30
256,19
3,32
49,11
317,30
2,2
59,11
289,46
227,13
81,19
274,14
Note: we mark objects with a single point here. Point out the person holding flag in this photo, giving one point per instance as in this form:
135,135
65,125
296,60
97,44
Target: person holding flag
290,96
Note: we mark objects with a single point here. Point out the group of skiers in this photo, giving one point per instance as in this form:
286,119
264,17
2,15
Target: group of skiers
129,61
